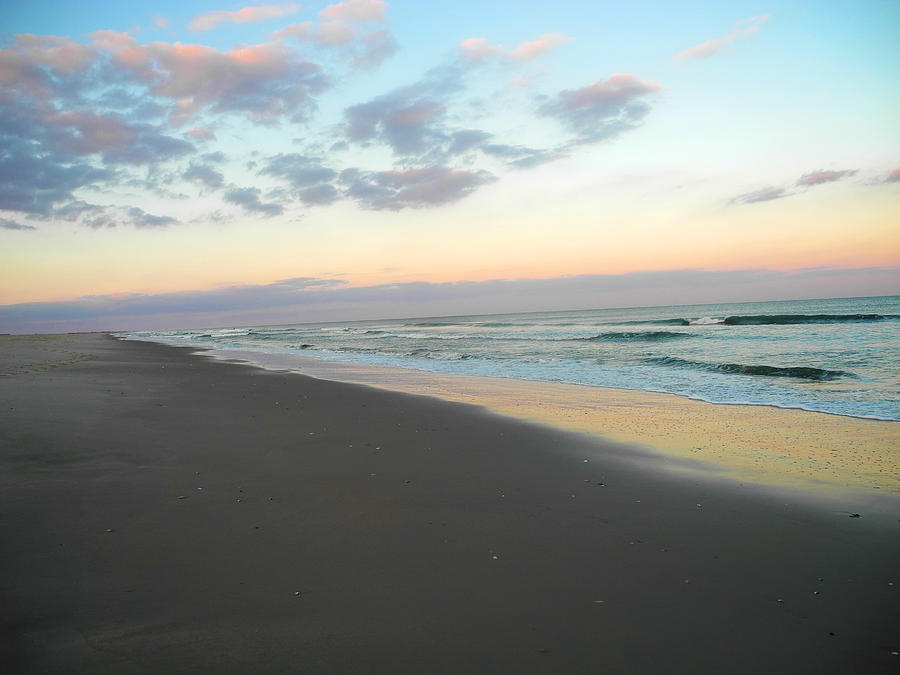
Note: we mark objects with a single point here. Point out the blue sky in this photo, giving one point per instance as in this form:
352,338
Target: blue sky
195,147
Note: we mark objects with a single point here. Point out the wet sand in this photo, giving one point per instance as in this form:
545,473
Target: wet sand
764,444
164,512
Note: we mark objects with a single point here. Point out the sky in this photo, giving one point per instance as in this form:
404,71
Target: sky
188,164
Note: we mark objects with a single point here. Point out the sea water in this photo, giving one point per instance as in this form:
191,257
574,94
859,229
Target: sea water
836,356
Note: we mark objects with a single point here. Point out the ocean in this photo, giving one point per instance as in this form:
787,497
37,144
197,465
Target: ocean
836,356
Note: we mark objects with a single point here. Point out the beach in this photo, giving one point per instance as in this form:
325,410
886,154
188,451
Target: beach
168,512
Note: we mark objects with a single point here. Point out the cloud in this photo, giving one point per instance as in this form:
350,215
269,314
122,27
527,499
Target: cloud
34,182
411,188
161,22
333,33
818,177
765,194
404,119
408,119
205,174
374,48
355,10
360,50
118,140
209,20
807,180
603,109
7,224
141,219
83,116
319,195
521,157
306,175
76,210
742,29
479,49
467,139
313,299
201,134
248,199
235,297
265,81
29,52
98,217
893,177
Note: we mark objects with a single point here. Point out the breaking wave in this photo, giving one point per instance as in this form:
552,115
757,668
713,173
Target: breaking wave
644,335
787,319
799,372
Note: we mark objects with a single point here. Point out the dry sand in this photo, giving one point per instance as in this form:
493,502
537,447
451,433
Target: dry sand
164,512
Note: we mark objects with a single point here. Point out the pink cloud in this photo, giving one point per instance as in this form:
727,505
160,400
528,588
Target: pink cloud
479,49
209,20
264,80
55,52
93,132
530,50
355,10
893,177
40,66
742,29
374,48
161,22
614,91
299,31
603,109
363,51
112,40
522,81
24,64
822,176
334,33
201,134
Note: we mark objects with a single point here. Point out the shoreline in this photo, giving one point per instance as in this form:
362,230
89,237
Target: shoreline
221,354
166,512
825,449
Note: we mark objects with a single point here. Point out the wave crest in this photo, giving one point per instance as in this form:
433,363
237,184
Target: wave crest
787,319
798,372
644,335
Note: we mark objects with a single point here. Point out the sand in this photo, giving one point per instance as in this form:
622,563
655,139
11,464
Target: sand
764,444
164,512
